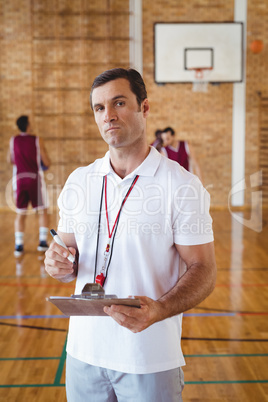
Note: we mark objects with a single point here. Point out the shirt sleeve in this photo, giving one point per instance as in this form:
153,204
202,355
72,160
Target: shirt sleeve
192,223
164,152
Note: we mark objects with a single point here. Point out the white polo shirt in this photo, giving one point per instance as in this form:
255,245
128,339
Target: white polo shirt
167,205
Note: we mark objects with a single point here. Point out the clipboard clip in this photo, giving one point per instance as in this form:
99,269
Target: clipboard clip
93,291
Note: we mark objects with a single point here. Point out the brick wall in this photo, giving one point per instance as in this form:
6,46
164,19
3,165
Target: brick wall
51,51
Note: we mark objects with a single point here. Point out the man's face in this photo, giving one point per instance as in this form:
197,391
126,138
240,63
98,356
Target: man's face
167,138
120,119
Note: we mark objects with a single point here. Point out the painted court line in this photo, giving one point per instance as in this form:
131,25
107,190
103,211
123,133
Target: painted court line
27,358
230,355
184,338
227,382
209,314
234,314
187,356
61,365
36,285
241,285
63,357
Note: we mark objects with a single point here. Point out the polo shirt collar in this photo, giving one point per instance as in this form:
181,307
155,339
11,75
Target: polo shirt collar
147,168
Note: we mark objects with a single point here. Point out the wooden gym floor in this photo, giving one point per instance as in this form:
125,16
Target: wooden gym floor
225,339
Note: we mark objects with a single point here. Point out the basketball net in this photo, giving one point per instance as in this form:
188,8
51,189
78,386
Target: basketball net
200,82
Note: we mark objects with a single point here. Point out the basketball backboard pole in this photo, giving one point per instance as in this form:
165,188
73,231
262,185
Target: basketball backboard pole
135,34
239,113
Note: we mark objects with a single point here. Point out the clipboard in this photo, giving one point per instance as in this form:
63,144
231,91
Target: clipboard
90,302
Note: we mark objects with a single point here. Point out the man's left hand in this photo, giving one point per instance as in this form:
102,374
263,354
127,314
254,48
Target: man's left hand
137,319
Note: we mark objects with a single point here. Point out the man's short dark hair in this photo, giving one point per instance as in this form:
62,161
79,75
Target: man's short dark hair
22,123
134,78
169,129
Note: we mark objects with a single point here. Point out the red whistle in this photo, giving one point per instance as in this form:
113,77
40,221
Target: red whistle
107,248
100,279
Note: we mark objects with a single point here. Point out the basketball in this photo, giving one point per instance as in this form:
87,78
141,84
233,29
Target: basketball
256,46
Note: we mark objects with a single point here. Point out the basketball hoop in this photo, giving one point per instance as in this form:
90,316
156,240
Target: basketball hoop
200,82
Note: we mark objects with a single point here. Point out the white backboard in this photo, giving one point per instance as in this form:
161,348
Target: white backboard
181,47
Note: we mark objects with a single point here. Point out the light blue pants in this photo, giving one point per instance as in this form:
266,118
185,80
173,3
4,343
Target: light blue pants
86,383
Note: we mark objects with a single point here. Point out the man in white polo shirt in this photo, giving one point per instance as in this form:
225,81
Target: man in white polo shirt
138,224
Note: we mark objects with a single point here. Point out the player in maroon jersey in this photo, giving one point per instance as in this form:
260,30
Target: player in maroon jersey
179,151
29,158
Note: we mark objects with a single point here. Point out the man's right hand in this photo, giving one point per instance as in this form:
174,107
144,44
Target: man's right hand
57,264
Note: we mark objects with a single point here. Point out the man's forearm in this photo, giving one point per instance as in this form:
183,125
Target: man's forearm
191,289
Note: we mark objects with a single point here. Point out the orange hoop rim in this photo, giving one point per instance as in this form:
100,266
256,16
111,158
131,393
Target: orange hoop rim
199,71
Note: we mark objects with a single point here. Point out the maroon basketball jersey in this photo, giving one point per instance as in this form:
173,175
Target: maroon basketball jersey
28,183
179,155
25,153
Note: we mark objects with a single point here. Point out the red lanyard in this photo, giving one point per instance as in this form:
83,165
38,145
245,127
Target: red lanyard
101,277
123,202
